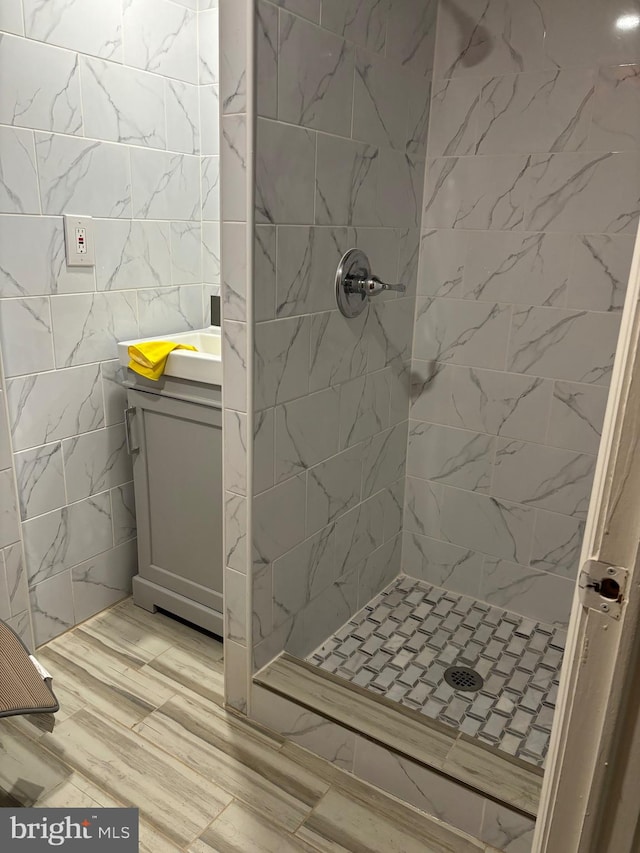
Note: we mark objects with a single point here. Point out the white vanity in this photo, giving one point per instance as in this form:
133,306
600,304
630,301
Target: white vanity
174,435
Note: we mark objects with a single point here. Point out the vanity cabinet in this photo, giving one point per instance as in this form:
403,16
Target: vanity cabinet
176,449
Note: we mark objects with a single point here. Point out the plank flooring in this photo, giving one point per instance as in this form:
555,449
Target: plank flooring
142,724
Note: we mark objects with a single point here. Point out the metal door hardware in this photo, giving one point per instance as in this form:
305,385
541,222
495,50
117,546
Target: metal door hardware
128,414
355,284
602,587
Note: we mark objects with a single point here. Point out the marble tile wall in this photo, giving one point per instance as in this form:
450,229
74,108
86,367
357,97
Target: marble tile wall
342,101
108,108
529,219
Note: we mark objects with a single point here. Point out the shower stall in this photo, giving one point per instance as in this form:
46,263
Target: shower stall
408,470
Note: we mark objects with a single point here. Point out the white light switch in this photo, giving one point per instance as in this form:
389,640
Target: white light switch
78,241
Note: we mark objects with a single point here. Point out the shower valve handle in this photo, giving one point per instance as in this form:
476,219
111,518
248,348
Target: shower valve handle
355,283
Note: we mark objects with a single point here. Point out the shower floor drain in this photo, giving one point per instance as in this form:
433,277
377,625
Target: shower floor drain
463,678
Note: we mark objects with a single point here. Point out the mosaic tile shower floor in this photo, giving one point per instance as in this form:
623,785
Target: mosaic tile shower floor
400,644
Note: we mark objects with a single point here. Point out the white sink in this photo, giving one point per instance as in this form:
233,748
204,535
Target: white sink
205,365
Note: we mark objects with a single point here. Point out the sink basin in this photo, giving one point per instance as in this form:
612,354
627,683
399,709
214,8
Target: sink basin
202,366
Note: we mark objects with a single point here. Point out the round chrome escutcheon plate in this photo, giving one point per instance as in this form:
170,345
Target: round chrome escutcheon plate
354,265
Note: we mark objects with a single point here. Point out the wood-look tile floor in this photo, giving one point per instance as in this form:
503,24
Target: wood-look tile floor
142,724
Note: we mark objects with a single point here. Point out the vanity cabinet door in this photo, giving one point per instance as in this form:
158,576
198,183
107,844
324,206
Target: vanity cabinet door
176,448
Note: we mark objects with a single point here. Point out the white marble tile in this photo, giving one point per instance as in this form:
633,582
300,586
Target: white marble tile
267,59
577,415
285,164
210,190
281,361
486,524
236,686
234,365
234,606
11,20
33,259
95,462
307,261
264,295
600,271
89,26
506,830
302,573
378,570
40,478
583,193
68,536
557,540
52,607
233,56
399,192
115,395
9,518
264,441
233,154
442,564
383,248
16,579
384,459
209,119
453,122
18,174
547,111
309,9
415,784
490,38
325,613
532,269
40,88
234,284
235,514
418,121
183,117
306,432
616,112
103,580
123,510
411,33
170,309
346,182
87,328
208,43
235,452
536,595
543,477
54,405
478,193
334,486
390,332
572,345
359,533
5,442
132,254
361,21
338,349
122,104
442,262
89,176
452,456
487,401
5,607
27,343
422,506
364,407
308,730
186,254
462,332
278,520
165,186
211,256
315,77
162,37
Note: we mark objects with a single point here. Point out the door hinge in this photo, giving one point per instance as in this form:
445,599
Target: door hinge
602,587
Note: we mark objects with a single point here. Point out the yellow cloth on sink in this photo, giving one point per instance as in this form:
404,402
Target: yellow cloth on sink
150,357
